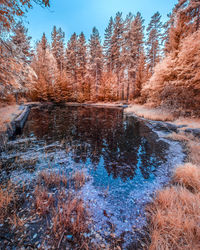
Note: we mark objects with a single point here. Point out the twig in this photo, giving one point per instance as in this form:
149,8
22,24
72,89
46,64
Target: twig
60,239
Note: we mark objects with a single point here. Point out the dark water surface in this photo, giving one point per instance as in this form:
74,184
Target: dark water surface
125,159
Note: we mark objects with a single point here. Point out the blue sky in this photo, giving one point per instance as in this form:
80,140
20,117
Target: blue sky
83,15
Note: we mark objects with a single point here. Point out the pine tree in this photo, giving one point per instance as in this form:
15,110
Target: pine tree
116,47
107,89
154,40
141,75
132,49
71,63
107,47
57,45
45,67
21,43
81,66
81,55
166,30
95,59
125,53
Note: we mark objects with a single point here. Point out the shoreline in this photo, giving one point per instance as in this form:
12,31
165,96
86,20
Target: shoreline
170,126
159,127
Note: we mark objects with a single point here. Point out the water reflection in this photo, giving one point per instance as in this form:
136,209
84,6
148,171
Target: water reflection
99,136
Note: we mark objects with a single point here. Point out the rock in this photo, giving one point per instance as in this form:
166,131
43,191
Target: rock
195,132
164,126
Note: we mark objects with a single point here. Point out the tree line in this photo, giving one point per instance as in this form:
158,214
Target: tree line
90,70
157,64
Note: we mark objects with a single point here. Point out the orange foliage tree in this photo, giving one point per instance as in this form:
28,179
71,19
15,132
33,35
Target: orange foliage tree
176,81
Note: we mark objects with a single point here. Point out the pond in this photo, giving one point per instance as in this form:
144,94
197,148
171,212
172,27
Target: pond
124,159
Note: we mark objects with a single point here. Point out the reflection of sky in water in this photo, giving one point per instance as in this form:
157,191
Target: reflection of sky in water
117,147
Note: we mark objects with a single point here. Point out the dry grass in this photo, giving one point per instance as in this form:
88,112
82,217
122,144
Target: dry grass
9,202
52,179
175,213
194,152
149,113
192,144
16,221
181,136
175,220
70,217
66,212
7,196
79,179
188,175
188,122
61,211
43,200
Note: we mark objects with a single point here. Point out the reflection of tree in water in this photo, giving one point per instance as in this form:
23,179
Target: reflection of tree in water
96,133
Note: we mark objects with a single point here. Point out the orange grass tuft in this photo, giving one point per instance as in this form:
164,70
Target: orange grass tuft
175,222
188,175
52,178
70,217
79,179
43,200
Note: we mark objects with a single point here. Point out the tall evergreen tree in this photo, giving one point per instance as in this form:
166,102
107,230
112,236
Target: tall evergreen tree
57,45
133,49
116,47
126,56
81,55
166,30
107,46
71,57
95,59
45,66
154,40
141,75
21,42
